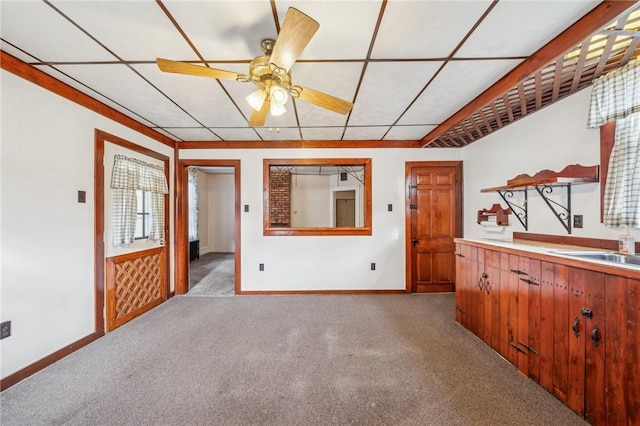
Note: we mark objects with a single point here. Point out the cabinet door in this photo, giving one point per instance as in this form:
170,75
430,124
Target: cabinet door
523,315
512,320
561,332
545,345
467,286
504,305
533,343
478,291
586,344
492,299
632,354
459,284
617,352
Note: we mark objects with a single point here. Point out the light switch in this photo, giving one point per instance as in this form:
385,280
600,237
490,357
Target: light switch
82,196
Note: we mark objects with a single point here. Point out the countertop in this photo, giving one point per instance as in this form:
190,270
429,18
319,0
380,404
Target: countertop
546,251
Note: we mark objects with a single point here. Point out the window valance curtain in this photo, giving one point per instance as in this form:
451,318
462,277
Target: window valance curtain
616,97
130,175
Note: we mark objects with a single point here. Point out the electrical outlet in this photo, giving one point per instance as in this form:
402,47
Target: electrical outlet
5,329
373,266
577,221
261,267
390,207
246,208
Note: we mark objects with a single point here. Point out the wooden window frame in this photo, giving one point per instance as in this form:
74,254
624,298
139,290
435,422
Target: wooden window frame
268,230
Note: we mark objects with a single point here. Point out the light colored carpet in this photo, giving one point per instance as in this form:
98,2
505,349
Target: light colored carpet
212,275
286,360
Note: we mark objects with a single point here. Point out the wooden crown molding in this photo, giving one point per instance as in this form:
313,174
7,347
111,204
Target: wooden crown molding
328,144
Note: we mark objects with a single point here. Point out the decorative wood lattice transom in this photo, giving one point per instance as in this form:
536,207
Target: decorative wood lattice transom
612,47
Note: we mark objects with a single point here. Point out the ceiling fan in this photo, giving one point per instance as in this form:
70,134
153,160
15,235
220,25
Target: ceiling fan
271,72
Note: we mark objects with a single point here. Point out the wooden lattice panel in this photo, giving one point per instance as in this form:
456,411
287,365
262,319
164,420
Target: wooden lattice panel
611,47
136,282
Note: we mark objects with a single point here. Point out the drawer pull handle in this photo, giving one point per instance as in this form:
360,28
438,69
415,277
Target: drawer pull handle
576,327
595,335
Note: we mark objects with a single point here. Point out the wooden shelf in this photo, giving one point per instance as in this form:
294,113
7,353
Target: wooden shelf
570,175
544,182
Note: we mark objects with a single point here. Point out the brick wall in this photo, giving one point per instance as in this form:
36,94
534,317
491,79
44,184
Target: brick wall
280,199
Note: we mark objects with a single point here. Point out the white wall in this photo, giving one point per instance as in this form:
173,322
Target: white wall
328,262
310,201
46,269
549,139
203,211
221,196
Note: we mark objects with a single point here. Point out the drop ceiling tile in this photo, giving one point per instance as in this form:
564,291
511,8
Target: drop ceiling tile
346,27
322,133
7,48
519,28
339,79
192,134
124,86
167,133
365,133
237,134
408,133
425,29
453,88
387,90
225,30
38,29
114,22
203,97
92,93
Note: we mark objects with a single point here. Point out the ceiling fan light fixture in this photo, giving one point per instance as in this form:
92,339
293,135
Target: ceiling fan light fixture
278,95
256,99
277,110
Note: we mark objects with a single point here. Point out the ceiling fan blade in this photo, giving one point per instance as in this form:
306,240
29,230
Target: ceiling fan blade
296,32
258,118
321,99
167,65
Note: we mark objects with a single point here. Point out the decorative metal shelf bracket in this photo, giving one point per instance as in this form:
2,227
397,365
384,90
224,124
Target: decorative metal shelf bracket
520,211
563,213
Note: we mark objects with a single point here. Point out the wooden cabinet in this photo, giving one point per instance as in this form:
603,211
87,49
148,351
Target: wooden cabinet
573,330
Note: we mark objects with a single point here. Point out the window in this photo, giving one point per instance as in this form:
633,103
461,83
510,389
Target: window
317,196
143,214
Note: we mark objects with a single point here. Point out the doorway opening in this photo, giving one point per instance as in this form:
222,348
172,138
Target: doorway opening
211,231
217,241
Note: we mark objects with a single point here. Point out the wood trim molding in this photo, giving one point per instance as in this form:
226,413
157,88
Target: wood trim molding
20,375
182,221
269,230
599,243
369,144
21,69
599,16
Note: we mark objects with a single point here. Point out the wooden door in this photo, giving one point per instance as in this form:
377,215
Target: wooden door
435,211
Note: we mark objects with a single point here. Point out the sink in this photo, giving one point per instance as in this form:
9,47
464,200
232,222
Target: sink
606,256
